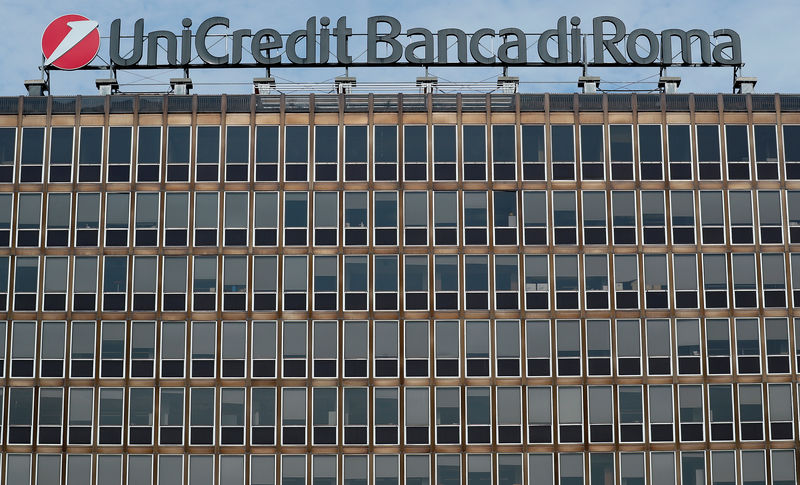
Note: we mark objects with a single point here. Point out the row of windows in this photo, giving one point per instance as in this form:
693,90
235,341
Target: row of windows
409,348
411,415
442,218
429,282
595,144
660,468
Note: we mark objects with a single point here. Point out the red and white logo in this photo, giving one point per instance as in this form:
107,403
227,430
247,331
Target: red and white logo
70,42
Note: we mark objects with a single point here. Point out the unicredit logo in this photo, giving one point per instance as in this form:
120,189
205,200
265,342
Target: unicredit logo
70,42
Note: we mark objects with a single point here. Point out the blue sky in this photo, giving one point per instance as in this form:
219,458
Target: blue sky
768,46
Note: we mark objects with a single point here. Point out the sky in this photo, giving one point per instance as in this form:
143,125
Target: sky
768,48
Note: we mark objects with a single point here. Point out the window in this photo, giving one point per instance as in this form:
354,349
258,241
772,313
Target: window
507,348
55,283
176,219
201,415
386,417
479,412
178,148
112,349
8,149
504,152
737,151
777,335
143,349
48,469
448,469
206,205
29,218
448,415
506,281
720,404
711,218
416,282
658,347
6,208
679,149
475,218
476,334
145,273
266,219
51,411
119,154
148,154
204,287
295,282
595,268
32,156
537,277
718,345
621,150
685,277
650,153
723,467
293,469
417,469
447,348
688,337
18,468
540,417
773,281
570,414
505,217
295,218
751,413
598,342
594,217
208,154
783,467
234,283
266,156
237,153
355,153
23,349
117,214
565,221
59,210
779,397
385,284
356,219
741,216
232,412
234,349
262,422
445,218
263,351
140,415
537,335
566,281
540,468
690,412
601,414
61,153
562,152
744,280
660,413
474,152
623,216
769,217
170,468
90,154
444,152
416,338
386,348
324,415
592,152
415,218
294,348
415,152
509,415
296,154
294,416
236,218
626,284
204,349
655,280
326,218
326,285
146,219
653,218
110,415
715,282
174,283
385,211
354,415
355,348
662,467
385,153
568,347
82,343
170,416
682,208
52,349
534,217
26,283
326,336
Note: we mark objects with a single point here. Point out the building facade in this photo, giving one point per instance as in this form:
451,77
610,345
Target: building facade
383,289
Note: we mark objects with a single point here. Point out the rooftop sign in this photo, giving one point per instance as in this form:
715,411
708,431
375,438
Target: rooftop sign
609,43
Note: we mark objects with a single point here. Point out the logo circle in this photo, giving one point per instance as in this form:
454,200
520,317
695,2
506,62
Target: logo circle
80,45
